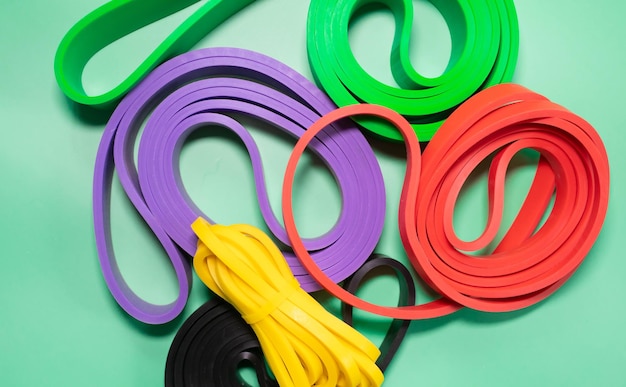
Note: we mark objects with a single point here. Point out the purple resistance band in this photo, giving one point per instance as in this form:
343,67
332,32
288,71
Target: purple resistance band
199,89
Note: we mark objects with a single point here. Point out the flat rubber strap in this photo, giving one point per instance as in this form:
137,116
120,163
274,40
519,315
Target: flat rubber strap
398,328
215,341
485,40
209,88
119,18
304,344
533,259
210,348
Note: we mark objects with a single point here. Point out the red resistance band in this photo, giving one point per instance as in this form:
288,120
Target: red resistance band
530,262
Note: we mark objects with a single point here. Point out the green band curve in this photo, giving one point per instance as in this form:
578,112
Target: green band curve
485,42
119,18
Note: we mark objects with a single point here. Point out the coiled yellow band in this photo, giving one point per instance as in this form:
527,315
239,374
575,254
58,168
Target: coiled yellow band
303,343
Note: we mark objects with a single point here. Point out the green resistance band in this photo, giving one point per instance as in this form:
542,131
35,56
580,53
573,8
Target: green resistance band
119,18
485,42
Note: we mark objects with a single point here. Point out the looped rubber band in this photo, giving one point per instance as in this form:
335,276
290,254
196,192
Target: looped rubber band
303,343
215,341
532,260
398,328
119,18
485,40
209,348
208,88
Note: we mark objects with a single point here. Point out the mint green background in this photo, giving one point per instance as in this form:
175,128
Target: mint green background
60,327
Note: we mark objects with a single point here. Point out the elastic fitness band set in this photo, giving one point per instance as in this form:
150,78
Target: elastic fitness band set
264,315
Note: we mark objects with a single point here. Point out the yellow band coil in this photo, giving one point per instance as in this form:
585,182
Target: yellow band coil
303,343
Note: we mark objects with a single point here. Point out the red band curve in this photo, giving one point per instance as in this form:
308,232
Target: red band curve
533,259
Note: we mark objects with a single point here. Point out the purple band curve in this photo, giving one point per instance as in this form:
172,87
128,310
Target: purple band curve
202,88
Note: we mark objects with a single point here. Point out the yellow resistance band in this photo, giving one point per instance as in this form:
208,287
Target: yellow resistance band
303,343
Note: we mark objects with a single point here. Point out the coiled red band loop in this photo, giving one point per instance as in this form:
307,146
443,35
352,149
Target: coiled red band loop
533,259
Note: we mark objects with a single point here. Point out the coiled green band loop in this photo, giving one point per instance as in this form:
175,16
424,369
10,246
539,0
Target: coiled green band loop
485,41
